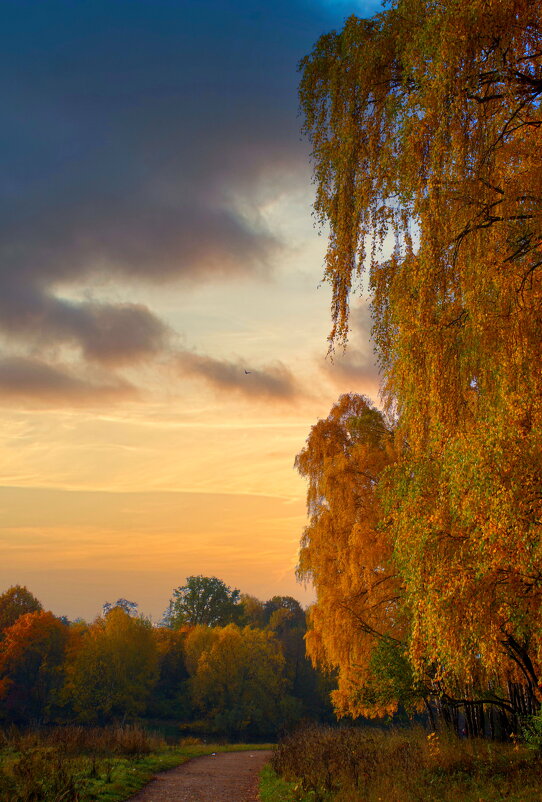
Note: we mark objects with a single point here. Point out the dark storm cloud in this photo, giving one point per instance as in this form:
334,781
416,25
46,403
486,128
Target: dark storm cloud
130,128
136,140
25,380
271,382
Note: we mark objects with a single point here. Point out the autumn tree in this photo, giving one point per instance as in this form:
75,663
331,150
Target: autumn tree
425,123
237,679
252,611
32,658
203,600
284,608
346,550
14,602
113,668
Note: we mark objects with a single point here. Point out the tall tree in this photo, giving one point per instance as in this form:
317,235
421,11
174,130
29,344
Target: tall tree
203,600
426,128
32,666
112,668
346,551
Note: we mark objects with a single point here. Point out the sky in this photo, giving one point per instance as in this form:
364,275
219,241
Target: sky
163,325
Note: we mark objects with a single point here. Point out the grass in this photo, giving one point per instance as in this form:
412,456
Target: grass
77,764
274,789
355,765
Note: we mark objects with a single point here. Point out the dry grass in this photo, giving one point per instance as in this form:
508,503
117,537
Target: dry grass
61,764
74,740
351,764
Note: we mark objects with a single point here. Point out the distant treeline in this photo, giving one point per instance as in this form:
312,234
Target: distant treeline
221,663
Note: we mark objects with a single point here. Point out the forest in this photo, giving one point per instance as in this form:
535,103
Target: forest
221,664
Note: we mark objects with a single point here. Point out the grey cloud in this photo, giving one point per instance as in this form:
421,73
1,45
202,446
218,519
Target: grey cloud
272,382
37,383
136,142
128,133
150,238
106,333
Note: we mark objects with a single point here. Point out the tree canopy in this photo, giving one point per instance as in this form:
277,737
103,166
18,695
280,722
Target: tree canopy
203,600
238,679
425,123
113,667
14,602
32,665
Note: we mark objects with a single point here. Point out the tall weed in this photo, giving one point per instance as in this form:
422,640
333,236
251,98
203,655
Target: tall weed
58,764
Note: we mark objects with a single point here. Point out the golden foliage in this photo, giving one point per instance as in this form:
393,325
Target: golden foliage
426,123
345,549
112,667
237,679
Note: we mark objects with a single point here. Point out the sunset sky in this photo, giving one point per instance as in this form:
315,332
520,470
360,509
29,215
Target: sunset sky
157,242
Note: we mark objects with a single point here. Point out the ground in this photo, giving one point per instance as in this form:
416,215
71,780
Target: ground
227,777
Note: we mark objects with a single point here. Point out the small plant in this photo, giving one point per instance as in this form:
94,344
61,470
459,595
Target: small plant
532,732
433,745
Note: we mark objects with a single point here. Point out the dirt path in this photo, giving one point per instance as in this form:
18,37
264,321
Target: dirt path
225,777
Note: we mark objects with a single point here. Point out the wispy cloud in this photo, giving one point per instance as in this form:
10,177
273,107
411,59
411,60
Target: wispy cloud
273,381
33,382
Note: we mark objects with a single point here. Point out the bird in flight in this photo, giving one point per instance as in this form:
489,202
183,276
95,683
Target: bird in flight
248,371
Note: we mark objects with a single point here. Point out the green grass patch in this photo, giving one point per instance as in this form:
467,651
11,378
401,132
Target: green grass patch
90,765
274,789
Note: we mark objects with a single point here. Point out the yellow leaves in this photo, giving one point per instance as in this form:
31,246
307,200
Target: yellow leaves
239,675
113,667
344,550
426,132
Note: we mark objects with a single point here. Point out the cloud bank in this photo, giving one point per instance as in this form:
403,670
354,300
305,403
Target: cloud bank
138,141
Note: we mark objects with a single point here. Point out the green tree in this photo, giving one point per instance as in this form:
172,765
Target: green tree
284,608
203,600
253,612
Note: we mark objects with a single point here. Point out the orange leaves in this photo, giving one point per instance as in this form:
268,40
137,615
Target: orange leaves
14,602
31,664
345,550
